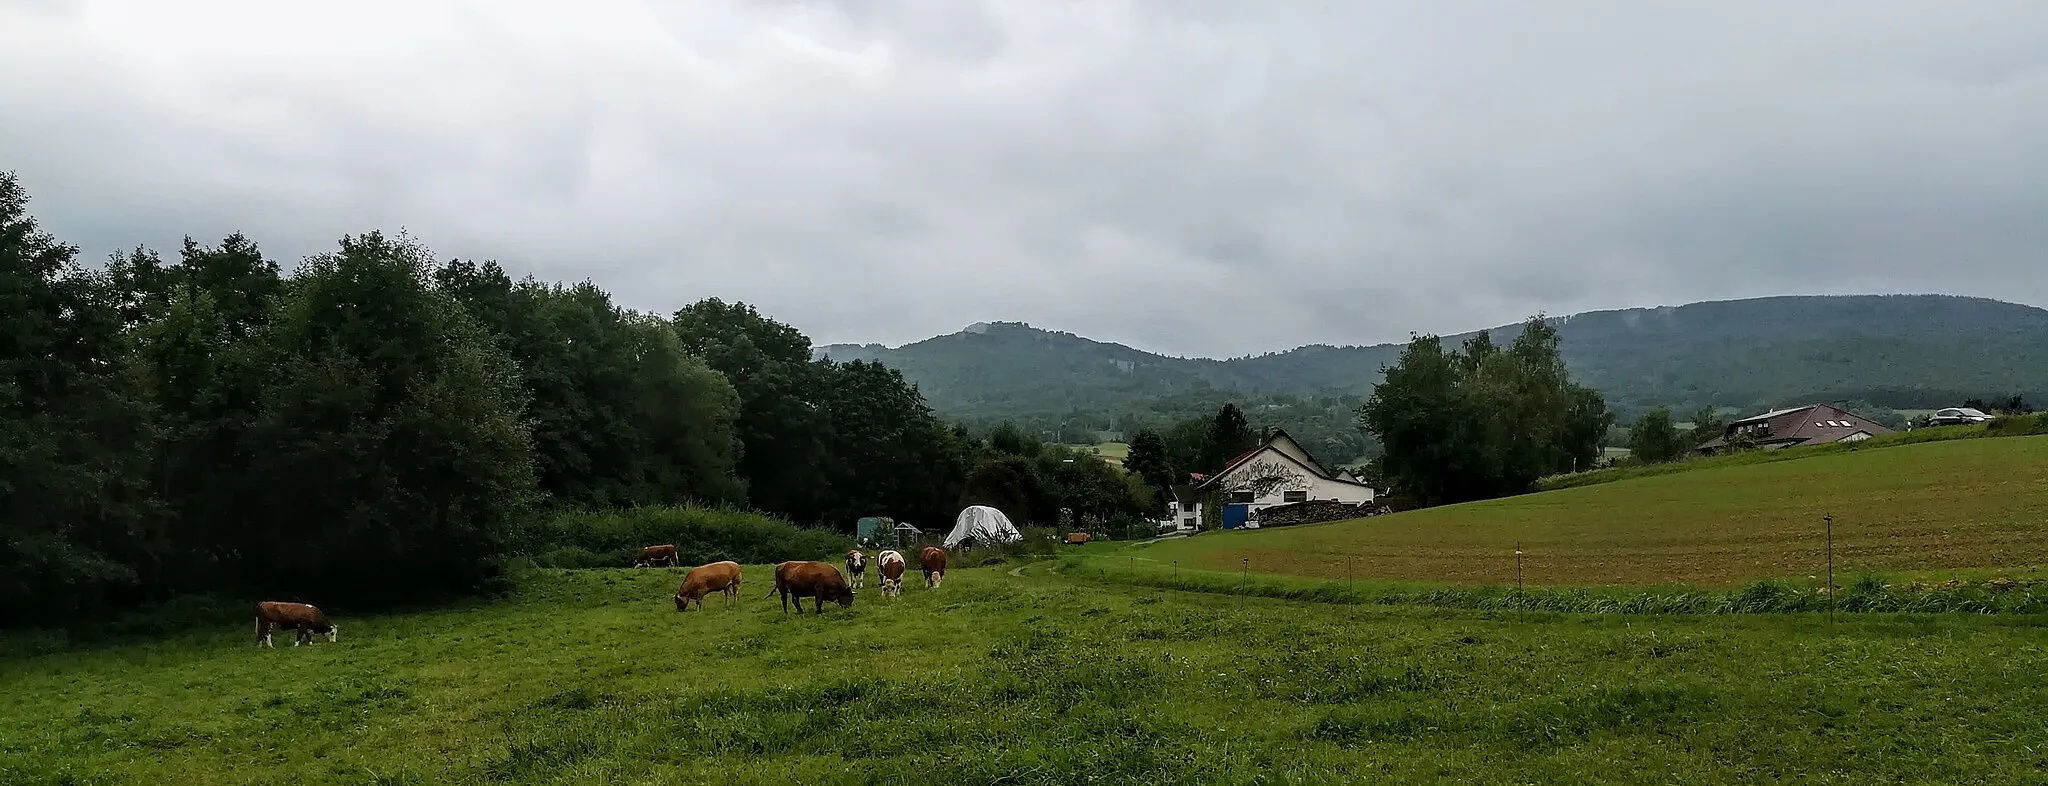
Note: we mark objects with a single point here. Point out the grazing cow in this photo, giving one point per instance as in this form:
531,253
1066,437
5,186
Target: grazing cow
656,554
307,620
933,559
857,567
719,577
818,580
891,566
774,588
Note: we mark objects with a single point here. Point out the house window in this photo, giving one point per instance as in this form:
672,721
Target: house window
1295,496
1240,497
1187,507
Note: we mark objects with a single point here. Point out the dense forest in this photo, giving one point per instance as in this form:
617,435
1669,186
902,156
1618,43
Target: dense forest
375,426
1873,353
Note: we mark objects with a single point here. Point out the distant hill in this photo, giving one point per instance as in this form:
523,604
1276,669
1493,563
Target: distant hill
1899,351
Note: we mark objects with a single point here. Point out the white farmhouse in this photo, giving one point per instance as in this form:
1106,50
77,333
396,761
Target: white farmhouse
1277,472
1183,510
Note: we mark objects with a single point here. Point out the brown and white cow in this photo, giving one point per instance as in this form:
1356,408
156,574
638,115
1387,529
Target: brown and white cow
857,567
818,580
720,577
656,555
890,564
305,619
933,560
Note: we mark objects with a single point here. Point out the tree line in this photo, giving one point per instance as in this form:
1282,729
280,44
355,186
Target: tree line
1482,421
378,427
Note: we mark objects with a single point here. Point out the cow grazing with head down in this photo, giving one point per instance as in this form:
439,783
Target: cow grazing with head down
857,567
817,580
890,564
656,555
305,619
933,560
720,577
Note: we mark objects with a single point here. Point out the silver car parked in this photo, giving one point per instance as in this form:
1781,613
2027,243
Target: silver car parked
1956,416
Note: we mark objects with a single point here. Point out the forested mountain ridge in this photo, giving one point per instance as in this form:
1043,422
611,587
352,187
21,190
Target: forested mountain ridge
1902,351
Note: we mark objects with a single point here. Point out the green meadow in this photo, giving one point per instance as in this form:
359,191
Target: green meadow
1023,674
1948,505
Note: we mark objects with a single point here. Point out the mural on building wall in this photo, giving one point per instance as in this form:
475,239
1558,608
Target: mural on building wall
1265,476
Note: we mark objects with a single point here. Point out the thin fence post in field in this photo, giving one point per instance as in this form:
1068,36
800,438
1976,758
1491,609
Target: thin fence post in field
1518,574
1829,520
1244,579
1176,571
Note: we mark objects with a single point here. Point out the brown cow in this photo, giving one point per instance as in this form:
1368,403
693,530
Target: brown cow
857,567
891,567
307,620
933,559
811,580
654,554
777,587
720,577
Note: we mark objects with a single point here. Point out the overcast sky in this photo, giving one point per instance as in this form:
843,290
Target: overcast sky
1196,177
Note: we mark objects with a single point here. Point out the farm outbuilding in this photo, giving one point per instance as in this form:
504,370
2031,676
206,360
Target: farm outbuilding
982,525
872,529
1278,472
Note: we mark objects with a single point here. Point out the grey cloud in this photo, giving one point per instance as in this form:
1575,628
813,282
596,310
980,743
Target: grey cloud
1196,177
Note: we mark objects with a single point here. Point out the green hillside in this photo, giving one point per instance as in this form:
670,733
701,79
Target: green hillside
1031,678
1900,351
1961,504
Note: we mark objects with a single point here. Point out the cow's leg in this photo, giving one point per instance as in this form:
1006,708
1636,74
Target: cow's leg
819,605
785,602
262,633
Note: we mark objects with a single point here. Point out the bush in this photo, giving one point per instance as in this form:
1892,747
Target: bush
701,535
1038,541
2018,425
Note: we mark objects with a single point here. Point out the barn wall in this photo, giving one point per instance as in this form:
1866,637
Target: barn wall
1272,460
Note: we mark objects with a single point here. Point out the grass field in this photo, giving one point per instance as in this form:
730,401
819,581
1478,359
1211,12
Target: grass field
1112,452
592,677
1968,503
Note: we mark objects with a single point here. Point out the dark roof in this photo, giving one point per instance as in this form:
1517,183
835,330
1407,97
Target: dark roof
1813,424
1185,494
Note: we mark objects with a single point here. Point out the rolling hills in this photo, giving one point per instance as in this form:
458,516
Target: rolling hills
1949,505
1899,351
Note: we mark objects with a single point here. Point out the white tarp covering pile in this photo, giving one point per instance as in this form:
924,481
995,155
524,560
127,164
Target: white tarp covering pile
984,525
